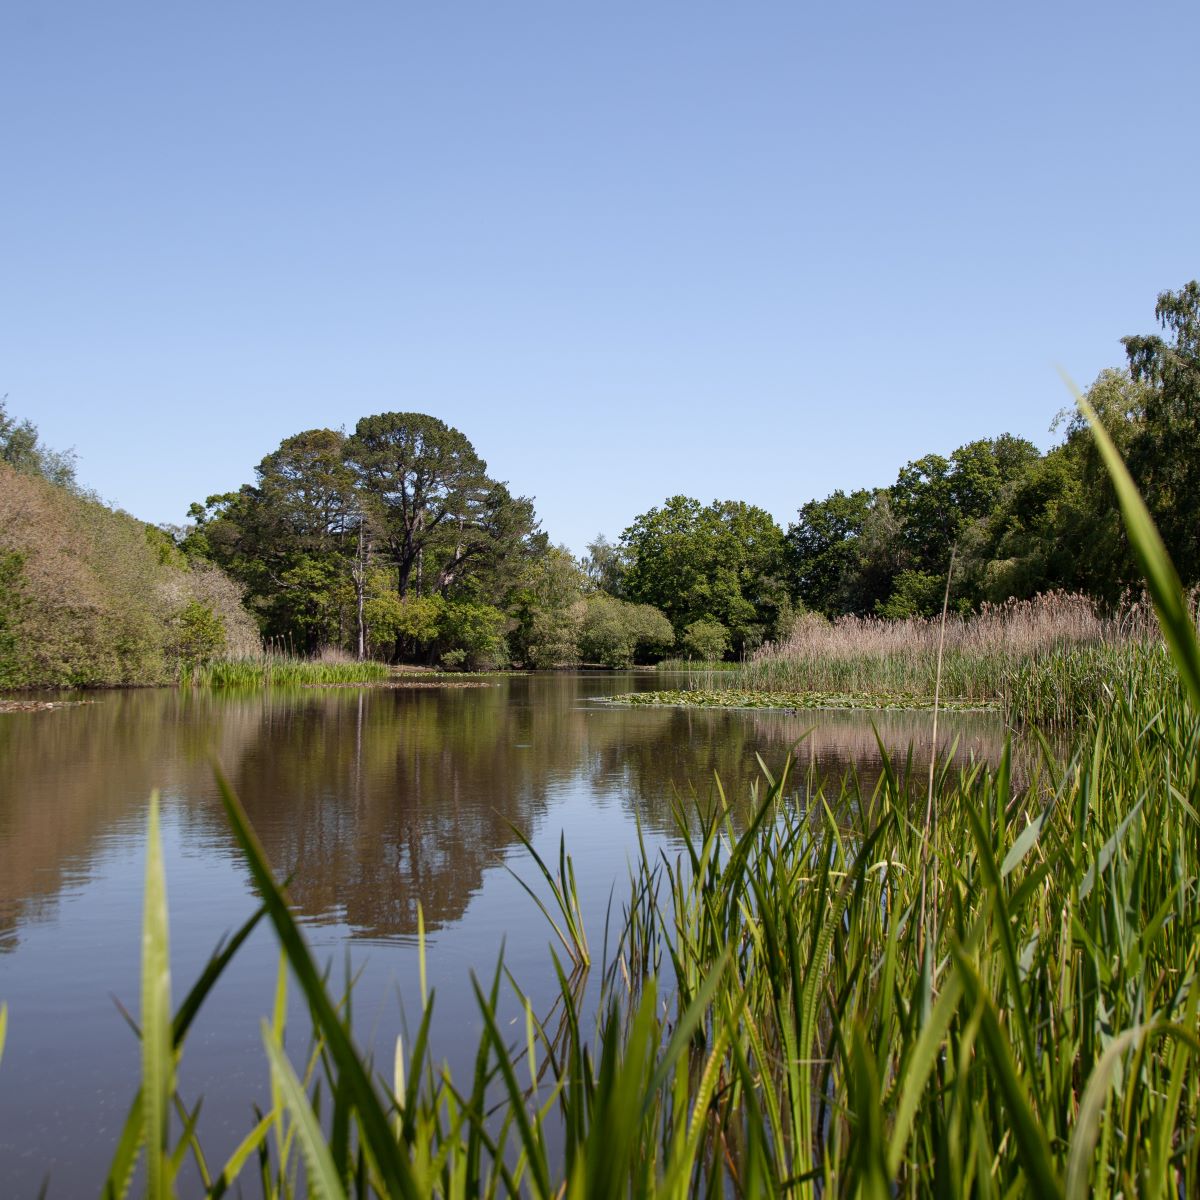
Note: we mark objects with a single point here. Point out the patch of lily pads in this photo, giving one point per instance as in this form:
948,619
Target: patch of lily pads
794,701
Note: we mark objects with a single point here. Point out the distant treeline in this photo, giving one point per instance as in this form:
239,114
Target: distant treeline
394,542
1017,522
396,536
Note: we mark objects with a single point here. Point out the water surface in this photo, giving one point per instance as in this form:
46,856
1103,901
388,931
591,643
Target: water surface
374,801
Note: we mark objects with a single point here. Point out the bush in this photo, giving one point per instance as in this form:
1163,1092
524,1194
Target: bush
478,631
92,598
199,635
706,640
616,633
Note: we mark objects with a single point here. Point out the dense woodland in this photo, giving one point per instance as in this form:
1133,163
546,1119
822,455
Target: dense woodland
393,541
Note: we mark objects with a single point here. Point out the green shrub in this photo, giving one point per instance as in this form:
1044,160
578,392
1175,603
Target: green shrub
706,640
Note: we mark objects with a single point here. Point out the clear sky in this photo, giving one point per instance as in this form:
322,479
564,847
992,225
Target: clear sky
753,251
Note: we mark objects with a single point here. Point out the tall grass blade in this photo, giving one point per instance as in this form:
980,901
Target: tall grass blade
158,1053
1041,1177
321,1175
1095,1098
394,1169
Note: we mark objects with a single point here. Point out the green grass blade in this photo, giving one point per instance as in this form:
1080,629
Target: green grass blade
1041,1177
120,1172
213,970
919,1066
158,1048
1095,1097
248,1146
322,1178
395,1171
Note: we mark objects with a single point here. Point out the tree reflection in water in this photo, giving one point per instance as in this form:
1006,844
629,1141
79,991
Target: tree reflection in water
374,800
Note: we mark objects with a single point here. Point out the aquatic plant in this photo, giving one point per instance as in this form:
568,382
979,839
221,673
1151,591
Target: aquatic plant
281,670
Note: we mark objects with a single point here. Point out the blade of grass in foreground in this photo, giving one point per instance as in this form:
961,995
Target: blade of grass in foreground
158,1054
1091,1108
395,1171
1162,580
120,1172
322,1177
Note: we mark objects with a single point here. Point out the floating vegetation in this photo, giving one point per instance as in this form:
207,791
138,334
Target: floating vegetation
15,706
794,701
406,685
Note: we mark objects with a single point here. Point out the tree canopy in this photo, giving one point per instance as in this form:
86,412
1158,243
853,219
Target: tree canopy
719,562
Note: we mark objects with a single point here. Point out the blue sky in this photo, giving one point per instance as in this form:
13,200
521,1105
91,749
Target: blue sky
752,251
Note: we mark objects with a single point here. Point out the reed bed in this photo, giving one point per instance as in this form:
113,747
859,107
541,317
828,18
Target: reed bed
273,669
982,649
1045,662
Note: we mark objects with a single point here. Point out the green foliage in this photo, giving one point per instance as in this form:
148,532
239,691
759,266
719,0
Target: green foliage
291,540
604,566
821,548
478,631
428,494
200,634
13,602
719,563
706,640
615,633
547,609
342,540
22,450
1024,522
415,619
1164,453
90,599
914,594
281,670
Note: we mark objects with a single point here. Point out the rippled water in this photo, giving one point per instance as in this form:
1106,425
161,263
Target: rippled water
373,801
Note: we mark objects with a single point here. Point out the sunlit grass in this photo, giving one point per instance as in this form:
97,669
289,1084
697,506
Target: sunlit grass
1044,663
279,670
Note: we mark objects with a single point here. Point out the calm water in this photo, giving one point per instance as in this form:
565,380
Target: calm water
374,801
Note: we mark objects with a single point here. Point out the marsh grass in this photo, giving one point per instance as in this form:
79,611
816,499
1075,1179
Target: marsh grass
1046,662
275,669
981,649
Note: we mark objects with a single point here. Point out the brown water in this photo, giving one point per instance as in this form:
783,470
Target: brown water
373,801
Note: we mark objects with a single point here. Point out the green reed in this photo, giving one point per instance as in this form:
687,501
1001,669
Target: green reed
1049,685
278,670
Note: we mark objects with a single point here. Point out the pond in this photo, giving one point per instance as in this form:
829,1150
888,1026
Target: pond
375,802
